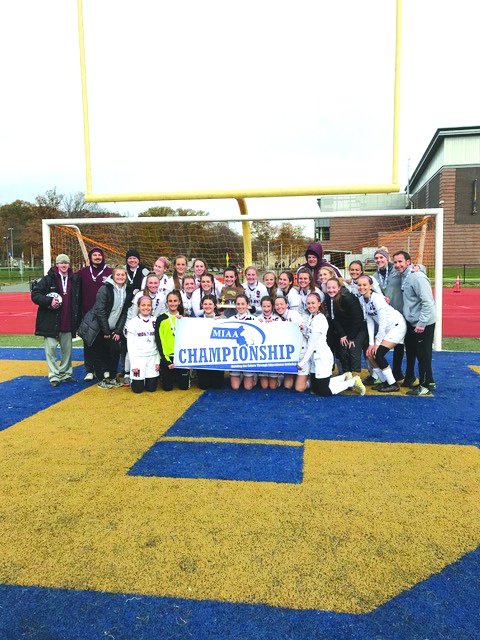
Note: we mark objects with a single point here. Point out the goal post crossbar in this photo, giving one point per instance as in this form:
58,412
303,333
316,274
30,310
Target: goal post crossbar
435,214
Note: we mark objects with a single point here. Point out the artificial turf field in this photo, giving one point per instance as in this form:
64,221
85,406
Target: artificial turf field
249,515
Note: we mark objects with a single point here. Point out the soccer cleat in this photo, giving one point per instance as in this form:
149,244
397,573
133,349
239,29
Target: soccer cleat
380,386
359,385
348,375
368,382
418,391
113,382
388,388
126,381
88,377
104,384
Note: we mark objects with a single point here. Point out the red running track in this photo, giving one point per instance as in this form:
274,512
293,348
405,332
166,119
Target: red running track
461,313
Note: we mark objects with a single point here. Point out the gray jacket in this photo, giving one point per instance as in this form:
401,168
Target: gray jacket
418,303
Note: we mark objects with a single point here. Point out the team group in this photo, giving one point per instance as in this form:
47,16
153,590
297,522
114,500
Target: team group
128,315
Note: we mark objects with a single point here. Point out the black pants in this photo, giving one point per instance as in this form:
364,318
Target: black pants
149,384
105,356
398,352
170,376
210,379
88,358
419,346
351,359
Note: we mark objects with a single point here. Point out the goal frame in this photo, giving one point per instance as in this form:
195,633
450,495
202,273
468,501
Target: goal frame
436,214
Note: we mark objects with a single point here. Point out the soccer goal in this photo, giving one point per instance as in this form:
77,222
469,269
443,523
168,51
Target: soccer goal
277,244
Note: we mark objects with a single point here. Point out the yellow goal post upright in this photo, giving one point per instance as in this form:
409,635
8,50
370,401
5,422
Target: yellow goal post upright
396,237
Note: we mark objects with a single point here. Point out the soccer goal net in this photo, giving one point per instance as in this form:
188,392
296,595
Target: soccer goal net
276,244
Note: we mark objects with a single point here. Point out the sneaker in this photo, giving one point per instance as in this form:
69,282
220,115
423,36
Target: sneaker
88,377
432,386
379,386
408,382
126,381
418,391
388,388
368,382
113,382
398,375
348,375
54,383
104,384
359,385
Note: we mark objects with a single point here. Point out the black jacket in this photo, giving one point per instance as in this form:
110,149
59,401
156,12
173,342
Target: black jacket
48,319
348,320
96,320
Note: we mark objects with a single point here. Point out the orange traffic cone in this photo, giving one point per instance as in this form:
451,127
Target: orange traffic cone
457,285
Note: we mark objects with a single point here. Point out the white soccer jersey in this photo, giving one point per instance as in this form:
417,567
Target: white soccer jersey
245,317
302,308
318,353
159,304
271,318
141,339
255,294
292,297
170,284
197,298
162,283
387,318
291,315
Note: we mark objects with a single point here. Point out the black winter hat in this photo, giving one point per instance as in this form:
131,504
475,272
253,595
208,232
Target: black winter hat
133,252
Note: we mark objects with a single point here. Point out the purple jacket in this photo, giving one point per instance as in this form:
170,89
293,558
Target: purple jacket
92,279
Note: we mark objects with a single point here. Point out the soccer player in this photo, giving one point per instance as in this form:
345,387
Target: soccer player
236,377
254,290
286,288
165,327
142,350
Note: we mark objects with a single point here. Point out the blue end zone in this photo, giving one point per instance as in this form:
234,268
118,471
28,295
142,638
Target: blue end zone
441,607
451,417
22,397
222,461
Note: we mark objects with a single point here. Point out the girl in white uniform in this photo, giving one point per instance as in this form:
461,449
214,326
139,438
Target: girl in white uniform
158,298
270,281
286,288
236,377
187,295
144,356
355,269
254,290
306,285
268,380
391,331
301,380
319,357
175,283
159,268
200,268
207,287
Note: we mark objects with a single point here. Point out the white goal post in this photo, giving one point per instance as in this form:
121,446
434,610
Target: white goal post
435,214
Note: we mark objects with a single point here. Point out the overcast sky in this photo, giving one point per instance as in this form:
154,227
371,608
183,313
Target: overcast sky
216,94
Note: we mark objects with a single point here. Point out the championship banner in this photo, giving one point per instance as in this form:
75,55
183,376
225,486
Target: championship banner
233,345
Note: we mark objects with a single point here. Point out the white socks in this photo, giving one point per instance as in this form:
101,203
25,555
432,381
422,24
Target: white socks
339,384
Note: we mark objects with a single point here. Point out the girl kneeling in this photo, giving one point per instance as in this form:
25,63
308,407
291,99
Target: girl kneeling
210,378
319,356
236,377
143,353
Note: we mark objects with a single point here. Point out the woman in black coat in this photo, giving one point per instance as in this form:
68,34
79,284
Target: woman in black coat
102,327
347,323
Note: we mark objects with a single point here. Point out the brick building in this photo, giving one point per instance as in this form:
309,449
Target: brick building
448,176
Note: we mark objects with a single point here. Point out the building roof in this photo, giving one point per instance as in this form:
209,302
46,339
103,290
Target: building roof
435,142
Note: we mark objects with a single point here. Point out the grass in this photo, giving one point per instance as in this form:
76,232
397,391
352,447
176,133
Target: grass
449,344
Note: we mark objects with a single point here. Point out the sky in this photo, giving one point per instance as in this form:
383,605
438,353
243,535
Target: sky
191,95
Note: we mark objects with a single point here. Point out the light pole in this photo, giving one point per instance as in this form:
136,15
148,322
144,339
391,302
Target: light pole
11,241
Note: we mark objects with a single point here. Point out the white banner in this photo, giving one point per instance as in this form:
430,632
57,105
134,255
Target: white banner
233,345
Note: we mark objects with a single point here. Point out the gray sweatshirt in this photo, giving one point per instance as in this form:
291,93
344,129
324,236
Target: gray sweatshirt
418,303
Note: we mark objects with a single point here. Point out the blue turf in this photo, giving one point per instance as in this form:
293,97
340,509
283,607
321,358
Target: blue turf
222,461
22,397
34,353
452,416
445,606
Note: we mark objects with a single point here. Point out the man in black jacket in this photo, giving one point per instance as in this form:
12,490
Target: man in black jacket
58,298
